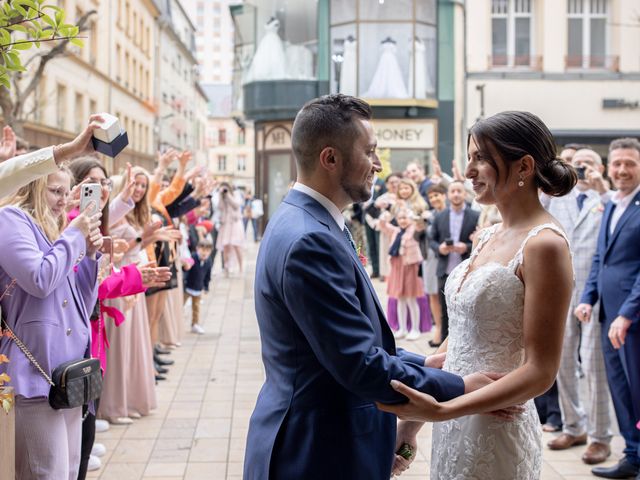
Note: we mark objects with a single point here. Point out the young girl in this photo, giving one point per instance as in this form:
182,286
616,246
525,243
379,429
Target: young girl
404,283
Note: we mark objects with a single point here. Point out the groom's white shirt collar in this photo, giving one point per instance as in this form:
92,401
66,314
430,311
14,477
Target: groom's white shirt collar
331,207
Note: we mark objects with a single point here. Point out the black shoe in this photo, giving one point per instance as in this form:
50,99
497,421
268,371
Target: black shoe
157,350
624,469
433,344
160,377
162,361
160,369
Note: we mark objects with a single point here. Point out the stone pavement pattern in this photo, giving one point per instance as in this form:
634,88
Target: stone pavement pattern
199,429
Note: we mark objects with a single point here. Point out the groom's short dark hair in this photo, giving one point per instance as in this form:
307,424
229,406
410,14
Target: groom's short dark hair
323,122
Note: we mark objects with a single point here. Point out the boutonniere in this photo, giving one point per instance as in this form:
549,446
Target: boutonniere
598,208
361,256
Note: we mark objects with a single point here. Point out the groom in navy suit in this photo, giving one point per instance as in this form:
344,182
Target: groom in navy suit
615,281
326,346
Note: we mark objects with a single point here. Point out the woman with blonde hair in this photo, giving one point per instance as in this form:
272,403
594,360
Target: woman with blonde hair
50,285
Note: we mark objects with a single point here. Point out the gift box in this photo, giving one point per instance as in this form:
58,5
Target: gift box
112,148
109,128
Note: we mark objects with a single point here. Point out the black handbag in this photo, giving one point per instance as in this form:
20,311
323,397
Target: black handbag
73,383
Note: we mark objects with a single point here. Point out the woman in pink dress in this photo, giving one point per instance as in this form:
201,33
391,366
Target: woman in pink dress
231,232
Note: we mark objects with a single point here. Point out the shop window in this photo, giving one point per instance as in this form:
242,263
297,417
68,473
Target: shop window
384,50
587,34
511,22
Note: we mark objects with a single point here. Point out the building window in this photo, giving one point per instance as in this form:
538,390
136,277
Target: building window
587,34
80,116
222,136
222,163
61,106
242,135
242,163
511,32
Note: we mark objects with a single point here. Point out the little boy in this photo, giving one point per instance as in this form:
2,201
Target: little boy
198,281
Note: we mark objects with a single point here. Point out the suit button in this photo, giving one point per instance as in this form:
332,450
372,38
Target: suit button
68,332
65,302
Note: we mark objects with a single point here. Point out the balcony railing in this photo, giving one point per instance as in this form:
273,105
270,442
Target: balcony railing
528,62
593,62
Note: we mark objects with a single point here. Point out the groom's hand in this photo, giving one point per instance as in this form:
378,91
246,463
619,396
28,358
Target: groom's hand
407,433
436,360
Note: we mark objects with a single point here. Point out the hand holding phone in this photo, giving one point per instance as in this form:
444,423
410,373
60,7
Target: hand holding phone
90,198
448,242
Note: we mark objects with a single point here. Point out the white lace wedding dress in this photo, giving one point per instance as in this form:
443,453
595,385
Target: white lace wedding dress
486,334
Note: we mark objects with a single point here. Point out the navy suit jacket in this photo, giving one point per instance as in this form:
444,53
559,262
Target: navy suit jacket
615,270
329,355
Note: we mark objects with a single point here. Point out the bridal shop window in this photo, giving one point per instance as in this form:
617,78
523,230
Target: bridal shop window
384,50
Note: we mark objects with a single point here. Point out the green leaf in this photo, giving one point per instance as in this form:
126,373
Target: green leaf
18,28
5,37
60,17
20,9
77,42
6,403
48,20
28,3
26,45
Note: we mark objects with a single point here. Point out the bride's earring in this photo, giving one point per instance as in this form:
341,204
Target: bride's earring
521,182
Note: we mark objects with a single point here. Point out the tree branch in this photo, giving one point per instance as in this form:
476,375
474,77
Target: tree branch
44,59
55,39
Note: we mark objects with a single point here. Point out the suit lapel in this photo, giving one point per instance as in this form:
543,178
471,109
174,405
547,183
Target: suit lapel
589,203
631,211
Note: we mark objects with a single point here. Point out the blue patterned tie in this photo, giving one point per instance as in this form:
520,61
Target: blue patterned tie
581,198
347,234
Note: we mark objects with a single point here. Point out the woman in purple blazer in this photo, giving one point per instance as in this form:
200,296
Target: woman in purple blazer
55,270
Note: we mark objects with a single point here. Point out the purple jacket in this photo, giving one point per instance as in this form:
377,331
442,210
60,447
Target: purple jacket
49,306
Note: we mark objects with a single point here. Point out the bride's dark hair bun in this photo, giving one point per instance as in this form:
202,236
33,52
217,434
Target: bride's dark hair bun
556,178
515,134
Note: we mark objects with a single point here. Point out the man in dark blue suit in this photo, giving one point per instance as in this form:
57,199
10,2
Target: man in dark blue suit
326,346
615,281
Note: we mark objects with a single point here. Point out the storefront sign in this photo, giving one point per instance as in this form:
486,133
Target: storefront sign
409,134
277,137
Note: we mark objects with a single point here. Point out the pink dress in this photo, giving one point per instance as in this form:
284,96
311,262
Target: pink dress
231,231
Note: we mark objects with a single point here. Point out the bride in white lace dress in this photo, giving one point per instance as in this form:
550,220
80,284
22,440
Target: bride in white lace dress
507,304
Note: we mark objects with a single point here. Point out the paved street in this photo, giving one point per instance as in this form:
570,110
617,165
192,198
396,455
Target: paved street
199,429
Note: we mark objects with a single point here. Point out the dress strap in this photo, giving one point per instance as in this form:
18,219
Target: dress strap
483,237
517,260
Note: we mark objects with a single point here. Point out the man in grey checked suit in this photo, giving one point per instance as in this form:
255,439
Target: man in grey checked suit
580,213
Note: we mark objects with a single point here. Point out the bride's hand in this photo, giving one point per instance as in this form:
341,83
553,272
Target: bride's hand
420,408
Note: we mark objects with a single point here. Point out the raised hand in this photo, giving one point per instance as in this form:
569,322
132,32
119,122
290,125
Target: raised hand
153,276
129,186
8,144
85,223
79,145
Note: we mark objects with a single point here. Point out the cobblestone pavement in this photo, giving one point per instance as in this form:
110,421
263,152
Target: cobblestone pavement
200,426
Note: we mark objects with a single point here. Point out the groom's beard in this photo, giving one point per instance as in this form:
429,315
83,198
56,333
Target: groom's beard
356,192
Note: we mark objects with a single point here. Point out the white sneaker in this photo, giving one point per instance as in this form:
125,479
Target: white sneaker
94,463
197,329
98,450
101,426
399,334
119,420
413,335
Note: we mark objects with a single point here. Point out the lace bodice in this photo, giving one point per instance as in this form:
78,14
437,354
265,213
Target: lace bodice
485,306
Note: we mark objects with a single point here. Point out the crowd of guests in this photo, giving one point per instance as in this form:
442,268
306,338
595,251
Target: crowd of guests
109,282
418,228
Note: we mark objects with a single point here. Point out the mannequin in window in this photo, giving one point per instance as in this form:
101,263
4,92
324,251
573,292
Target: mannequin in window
349,67
299,61
269,61
387,81
423,83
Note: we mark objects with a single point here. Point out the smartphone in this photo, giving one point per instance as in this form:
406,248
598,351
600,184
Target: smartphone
90,192
448,241
581,172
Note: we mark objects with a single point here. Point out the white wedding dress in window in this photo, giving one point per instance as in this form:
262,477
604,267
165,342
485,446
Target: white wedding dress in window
486,335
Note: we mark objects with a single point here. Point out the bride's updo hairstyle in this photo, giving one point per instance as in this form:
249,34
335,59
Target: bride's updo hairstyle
514,134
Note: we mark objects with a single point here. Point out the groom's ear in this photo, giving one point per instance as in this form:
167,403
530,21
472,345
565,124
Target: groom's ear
328,159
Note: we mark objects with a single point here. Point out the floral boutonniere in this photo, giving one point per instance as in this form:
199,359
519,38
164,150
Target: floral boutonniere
362,256
598,208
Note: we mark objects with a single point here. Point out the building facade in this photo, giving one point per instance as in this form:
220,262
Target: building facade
177,91
575,63
114,68
398,55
